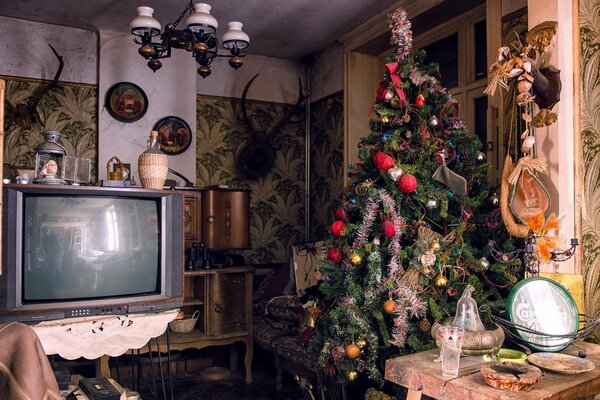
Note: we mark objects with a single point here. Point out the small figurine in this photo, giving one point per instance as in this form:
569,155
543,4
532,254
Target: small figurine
50,169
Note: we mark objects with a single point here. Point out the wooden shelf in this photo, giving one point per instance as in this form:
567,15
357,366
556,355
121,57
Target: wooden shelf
192,301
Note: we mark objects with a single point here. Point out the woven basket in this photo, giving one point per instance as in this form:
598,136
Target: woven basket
186,324
153,170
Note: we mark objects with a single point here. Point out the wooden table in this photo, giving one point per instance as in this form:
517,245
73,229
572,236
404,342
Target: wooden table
421,375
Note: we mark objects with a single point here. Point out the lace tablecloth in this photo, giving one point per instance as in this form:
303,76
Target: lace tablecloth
93,337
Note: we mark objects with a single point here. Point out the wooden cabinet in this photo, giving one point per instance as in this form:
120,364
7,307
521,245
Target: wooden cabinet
224,299
191,217
225,220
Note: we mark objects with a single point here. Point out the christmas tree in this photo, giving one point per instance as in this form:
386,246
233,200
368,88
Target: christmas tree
413,228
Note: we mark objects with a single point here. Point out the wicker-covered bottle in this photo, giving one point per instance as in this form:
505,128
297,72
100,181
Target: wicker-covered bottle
153,165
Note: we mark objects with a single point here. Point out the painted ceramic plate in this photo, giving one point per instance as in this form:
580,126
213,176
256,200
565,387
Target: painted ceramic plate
561,363
545,306
174,134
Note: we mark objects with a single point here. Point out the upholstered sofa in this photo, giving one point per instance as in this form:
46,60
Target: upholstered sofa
280,330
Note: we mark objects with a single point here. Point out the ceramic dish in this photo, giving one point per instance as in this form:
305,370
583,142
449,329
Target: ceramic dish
561,363
507,355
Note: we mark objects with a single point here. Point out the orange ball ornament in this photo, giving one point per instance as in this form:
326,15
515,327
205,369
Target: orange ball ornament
352,351
389,306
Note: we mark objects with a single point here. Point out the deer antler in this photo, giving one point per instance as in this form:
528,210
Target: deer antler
286,118
25,114
243,105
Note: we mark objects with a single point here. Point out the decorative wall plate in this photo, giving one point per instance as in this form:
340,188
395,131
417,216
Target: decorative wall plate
174,135
545,306
126,102
562,363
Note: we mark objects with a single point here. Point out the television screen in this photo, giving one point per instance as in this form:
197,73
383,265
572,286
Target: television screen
94,247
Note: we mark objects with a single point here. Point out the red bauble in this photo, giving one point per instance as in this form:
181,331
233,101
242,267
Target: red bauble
420,101
407,183
387,229
336,229
383,162
340,213
334,255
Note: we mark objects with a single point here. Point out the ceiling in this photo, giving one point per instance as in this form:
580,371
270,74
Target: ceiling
289,29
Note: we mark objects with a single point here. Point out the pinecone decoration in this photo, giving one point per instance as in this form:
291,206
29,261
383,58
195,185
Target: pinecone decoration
424,325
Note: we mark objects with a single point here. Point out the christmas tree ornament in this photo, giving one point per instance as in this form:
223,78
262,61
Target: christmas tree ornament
484,262
387,229
385,119
494,199
337,229
457,251
401,32
406,118
440,281
368,247
395,102
341,214
317,275
395,173
431,204
376,241
480,157
456,183
420,101
386,136
352,351
467,313
389,94
436,246
351,375
452,292
407,183
424,325
408,134
427,259
434,121
361,342
355,259
383,161
334,255
441,156
389,306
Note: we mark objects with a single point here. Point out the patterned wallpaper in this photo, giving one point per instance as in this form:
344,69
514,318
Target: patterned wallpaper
68,108
326,162
589,15
277,200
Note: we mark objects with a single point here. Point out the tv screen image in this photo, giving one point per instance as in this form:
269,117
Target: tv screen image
71,251
93,247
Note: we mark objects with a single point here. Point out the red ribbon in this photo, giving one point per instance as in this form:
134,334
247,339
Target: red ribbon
392,67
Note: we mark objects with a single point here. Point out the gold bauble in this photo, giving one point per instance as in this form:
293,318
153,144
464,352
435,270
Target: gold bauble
317,275
389,305
440,281
361,342
351,376
355,259
435,246
352,351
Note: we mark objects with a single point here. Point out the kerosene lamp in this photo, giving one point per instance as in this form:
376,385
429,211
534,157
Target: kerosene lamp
49,159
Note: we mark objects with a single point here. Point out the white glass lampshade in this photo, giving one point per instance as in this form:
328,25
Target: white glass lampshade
201,19
145,22
235,35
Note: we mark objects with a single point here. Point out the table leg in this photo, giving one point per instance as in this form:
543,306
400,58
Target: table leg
414,394
248,361
102,368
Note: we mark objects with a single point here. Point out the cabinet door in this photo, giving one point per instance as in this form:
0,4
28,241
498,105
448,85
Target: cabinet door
228,304
191,209
226,219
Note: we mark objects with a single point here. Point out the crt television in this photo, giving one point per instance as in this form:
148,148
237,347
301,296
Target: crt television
81,251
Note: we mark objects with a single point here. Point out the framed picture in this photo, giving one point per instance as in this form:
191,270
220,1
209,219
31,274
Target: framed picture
126,102
174,135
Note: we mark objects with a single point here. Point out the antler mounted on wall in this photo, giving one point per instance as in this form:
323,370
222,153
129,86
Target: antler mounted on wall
258,156
25,114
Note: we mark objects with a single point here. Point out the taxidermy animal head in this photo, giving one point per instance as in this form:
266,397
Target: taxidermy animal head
25,114
258,156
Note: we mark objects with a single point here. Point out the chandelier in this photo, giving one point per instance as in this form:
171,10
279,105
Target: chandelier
198,37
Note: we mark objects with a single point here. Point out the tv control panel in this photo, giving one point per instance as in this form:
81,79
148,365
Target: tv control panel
95,311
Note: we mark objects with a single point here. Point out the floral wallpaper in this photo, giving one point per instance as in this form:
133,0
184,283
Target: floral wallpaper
277,200
589,16
69,108
326,162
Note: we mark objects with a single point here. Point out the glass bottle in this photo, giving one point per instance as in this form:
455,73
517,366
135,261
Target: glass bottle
467,314
153,165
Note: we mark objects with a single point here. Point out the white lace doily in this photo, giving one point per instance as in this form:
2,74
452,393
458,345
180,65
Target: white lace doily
93,337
